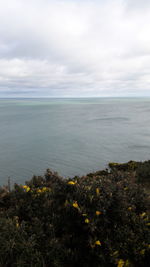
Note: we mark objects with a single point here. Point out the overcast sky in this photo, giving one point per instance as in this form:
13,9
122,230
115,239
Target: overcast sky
74,48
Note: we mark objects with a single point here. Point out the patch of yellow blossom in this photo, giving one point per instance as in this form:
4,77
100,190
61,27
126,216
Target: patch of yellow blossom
97,191
39,190
98,212
17,225
27,188
87,220
148,224
120,263
16,220
46,189
98,243
130,208
143,214
71,183
43,189
75,205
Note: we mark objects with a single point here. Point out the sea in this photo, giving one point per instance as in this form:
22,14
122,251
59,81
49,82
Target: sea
70,136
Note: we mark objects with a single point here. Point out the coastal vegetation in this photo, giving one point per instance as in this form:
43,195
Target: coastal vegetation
100,219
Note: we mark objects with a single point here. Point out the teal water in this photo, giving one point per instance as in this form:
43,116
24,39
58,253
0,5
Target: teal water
71,136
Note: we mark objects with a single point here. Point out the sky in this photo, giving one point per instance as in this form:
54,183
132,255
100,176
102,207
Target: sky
74,48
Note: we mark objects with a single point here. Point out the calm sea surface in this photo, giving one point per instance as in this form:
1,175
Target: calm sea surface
71,136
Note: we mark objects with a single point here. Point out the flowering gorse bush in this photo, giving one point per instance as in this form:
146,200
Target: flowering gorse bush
101,219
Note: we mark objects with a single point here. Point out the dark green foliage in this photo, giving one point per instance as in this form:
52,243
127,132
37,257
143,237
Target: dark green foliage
129,166
101,219
141,170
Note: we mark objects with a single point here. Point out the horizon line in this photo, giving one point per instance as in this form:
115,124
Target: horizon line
72,97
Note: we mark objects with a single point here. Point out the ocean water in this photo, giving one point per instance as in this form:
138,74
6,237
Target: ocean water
71,136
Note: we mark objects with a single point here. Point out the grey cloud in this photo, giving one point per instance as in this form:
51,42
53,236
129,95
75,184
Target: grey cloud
74,48
137,4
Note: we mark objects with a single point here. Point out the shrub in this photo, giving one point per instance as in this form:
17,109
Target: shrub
143,172
96,220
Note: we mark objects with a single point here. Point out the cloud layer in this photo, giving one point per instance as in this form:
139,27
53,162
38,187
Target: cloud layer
71,48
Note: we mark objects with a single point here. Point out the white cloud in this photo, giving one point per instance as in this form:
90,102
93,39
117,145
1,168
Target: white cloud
74,48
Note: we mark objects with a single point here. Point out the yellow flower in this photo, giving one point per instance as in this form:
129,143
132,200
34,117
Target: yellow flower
71,183
27,188
16,218
39,191
75,205
17,224
98,212
44,189
130,208
120,263
97,191
98,243
87,220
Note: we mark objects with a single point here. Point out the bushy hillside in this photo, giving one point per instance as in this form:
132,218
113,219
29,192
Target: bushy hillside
101,219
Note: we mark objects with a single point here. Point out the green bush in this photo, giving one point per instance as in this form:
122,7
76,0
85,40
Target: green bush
96,220
143,172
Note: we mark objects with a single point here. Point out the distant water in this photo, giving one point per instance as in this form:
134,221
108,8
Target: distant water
71,136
